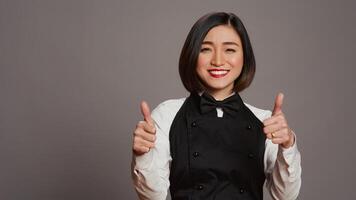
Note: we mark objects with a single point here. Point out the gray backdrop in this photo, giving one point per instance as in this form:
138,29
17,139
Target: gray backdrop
73,72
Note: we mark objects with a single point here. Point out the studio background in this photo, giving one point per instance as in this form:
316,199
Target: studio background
73,73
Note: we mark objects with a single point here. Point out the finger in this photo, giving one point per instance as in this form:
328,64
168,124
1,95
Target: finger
277,140
141,150
282,133
271,128
278,104
278,118
138,141
150,128
146,127
145,143
271,120
144,135
145,110
281,137
141,124
273,135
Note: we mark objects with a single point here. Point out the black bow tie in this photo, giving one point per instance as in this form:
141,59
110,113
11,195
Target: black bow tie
229,105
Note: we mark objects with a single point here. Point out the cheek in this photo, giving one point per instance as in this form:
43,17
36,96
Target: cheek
202,62
237,61
237,65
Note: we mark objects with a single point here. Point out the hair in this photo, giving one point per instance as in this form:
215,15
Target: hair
191,49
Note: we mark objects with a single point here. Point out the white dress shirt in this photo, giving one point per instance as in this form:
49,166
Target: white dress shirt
150,171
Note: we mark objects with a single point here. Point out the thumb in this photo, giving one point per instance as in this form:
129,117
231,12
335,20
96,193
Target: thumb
278,104
145,110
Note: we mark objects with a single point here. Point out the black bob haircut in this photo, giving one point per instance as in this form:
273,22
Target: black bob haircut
191,49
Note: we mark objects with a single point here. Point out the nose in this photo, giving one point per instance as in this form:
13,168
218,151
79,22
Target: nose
218,59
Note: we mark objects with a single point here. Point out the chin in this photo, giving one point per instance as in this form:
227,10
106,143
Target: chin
219,86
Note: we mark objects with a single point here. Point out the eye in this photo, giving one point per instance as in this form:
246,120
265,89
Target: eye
230,50
204,49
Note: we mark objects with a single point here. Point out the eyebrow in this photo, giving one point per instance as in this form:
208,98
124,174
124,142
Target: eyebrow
225,43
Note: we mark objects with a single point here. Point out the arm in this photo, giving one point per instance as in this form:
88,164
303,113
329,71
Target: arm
282,158
150,170
283,171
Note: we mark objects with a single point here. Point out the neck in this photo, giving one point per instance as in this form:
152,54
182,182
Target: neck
220,95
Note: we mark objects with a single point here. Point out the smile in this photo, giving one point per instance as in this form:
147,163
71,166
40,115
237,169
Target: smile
218,73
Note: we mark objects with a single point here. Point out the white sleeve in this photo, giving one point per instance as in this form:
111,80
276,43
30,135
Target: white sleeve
150,171
283,170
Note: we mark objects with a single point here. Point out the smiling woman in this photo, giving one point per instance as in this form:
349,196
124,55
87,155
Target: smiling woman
212,145
196,40
221,55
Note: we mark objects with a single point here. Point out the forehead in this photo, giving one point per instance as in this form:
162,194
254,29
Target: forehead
222,33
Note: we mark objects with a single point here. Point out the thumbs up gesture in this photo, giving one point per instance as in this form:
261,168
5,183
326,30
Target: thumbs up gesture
145,132
276,127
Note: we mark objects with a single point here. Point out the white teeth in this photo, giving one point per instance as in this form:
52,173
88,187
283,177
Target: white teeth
218,72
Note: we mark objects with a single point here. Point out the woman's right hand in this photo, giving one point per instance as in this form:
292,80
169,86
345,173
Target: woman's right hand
145,132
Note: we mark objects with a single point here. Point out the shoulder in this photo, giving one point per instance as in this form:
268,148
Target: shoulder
170,105
165,112
259,113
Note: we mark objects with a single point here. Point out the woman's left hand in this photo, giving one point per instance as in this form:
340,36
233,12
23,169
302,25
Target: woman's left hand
276,127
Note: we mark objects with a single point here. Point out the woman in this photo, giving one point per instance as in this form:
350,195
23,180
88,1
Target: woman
212,145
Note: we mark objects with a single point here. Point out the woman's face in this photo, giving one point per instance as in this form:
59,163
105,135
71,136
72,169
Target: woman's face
220,60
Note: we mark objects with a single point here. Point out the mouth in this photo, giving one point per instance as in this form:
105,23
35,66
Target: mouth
218,73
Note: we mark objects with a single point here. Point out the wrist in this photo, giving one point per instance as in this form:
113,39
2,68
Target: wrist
289,142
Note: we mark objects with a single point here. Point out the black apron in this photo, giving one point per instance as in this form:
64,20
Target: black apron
216,157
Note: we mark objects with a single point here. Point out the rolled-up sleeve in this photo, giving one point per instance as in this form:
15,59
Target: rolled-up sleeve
283,170
150,171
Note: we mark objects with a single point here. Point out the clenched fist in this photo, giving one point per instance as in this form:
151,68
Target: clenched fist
145,132
276,127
